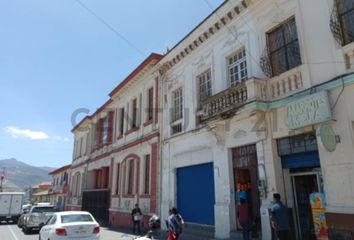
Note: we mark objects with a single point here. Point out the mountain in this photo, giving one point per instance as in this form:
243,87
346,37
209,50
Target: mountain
19,175
48,169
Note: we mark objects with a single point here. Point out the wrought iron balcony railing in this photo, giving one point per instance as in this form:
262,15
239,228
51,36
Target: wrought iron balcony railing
224,102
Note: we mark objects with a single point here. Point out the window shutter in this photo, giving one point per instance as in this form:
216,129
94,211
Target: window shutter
110,127
100,130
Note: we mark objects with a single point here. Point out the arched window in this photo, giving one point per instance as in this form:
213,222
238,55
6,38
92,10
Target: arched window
76,187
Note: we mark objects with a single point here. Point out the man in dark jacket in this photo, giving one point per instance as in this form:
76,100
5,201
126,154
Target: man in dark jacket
280,218
136,217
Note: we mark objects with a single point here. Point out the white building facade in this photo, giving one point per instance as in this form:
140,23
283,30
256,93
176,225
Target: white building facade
256,100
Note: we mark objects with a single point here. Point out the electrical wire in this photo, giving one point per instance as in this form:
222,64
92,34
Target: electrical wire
339,95
256,33
104,22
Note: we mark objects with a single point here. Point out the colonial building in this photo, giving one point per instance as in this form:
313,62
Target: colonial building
60,186
39,193
256,100
116,151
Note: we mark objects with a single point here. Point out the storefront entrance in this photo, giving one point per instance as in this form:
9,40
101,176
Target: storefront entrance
304,184
301,164
245,170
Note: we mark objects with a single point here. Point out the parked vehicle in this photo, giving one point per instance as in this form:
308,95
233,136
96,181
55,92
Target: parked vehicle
35,218
10,206
25,209
70,225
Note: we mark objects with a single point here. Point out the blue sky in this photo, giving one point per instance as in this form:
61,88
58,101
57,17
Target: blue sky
56,57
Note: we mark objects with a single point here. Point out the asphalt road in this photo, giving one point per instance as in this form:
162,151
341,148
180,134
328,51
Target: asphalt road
12,232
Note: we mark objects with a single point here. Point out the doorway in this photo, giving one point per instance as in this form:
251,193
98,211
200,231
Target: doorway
196,193
245,171
304,183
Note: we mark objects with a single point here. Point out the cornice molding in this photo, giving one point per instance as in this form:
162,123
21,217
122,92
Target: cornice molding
212,29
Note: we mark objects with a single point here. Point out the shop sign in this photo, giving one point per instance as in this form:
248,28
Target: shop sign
309,110
326,137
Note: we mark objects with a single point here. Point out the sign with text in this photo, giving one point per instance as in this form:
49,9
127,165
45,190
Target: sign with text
309,110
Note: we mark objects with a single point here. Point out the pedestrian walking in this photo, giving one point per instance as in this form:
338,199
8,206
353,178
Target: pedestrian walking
280,218
174,224
136,218
244,219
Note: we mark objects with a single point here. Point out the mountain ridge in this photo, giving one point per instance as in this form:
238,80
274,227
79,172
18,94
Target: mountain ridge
20,175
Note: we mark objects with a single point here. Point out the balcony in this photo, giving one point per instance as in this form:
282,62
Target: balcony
285,84
226,103
62,188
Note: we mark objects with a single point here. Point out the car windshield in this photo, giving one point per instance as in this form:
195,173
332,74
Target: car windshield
42,209
76,218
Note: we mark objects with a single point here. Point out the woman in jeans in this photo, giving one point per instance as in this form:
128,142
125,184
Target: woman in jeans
244,219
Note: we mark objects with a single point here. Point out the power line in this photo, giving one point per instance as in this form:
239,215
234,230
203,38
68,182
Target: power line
252,29
104,22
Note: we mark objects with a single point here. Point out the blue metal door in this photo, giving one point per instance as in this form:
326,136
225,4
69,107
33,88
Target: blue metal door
196,193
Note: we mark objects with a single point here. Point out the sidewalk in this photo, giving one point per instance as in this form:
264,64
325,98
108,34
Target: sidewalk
108,233
127,234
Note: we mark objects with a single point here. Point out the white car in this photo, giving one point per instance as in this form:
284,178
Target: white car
70,225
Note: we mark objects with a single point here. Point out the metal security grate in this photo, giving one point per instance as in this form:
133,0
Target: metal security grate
96,202
335,25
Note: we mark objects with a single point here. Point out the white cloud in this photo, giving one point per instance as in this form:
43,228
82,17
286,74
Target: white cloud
16,132
65,139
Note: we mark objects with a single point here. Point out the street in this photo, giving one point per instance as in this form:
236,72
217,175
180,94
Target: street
12,232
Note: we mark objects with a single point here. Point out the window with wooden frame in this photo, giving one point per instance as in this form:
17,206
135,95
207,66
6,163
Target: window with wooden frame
117,178
104,130
204,83
87,144
76,184
284,50
110,127
345,13
135,111
177,107
81,147
237,67
130,177
150,104
147,175
121,122
96,128
124,177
